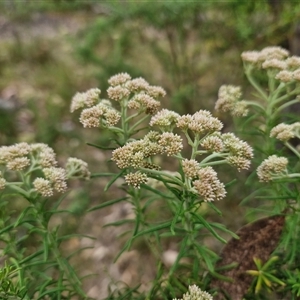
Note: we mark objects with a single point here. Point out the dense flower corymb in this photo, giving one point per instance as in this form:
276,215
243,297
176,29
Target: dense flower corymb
86,99
77,168
208,185
195,293
284,132
201,122
272,167
229,100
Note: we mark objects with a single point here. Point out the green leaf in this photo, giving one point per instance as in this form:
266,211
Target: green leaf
113,180
155,191
182,251
107,203
144,232
102,175
176,217
208,227
24,212
118,223
101,147
223,228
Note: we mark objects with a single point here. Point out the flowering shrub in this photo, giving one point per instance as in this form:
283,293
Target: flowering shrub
170,161
143,132
31,170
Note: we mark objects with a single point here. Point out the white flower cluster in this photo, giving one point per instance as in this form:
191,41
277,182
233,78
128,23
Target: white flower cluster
276,59
272,168
32,158
135,94
285,132
195,293
229,100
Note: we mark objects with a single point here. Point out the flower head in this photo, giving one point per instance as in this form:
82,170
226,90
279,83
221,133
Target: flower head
134,153
57,177
240,153
190,168
119,79
77,168
195,293
137,85
208,185
86,99
43,154
10,153
268,53
92,117
212,143
156,91
118,92
229,101
164,119
18,163
144,102
43,186
284,132
200,122
274,63
272,167
136,179
285,76
171,143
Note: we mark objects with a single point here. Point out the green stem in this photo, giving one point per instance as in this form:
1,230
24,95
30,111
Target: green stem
285,105
212,156
161,173
292,149
256,85
255,104
132,129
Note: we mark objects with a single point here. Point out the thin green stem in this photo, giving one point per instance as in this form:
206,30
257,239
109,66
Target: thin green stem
132,129
285,105
292,149
214,163
255,104
161,173
212,156
256,85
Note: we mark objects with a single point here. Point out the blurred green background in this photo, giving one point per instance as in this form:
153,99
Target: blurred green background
50,49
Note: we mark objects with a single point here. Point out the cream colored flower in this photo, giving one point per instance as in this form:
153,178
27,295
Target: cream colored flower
195,293
190,168
164,119
136,179
119,79
272,167
43,186
86,99
77,168
208,185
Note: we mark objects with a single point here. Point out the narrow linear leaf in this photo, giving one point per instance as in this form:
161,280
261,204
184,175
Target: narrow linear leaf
100,147
208,227
102,175
69,236
155,191
118,223
176,217
107,203
113,180
24,212
223,228
183,249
